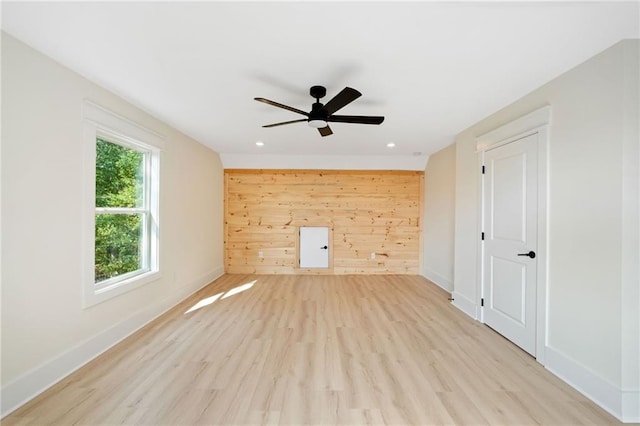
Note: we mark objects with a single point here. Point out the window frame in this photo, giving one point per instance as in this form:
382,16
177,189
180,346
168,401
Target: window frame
99,123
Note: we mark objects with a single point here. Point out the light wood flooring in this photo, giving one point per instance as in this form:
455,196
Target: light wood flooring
307,349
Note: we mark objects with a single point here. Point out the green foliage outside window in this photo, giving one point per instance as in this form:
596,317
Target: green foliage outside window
119,176
119,184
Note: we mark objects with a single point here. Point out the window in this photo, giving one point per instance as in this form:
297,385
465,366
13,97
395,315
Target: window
122,229
122,212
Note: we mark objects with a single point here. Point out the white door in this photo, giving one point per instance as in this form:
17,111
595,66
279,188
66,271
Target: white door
314,247
510,199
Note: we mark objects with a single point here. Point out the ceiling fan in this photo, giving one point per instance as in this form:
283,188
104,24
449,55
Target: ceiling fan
321,115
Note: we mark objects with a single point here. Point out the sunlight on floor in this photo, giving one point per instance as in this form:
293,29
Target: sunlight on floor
204,302
209,300
239,289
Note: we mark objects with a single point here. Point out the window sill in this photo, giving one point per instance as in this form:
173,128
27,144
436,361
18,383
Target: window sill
93,296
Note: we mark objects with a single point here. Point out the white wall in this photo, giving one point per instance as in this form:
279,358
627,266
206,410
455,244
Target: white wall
438,221
592,306
324,162
45,332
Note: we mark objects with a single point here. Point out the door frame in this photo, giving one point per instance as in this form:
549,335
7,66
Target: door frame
536,122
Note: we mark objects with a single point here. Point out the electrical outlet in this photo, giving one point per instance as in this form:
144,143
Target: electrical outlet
260,254
373,254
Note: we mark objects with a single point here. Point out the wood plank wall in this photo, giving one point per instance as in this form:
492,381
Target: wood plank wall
366,211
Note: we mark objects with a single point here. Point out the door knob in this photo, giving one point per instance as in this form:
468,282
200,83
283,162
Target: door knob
325,247
531,254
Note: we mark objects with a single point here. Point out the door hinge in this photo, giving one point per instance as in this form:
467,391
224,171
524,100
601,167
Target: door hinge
482,169
482,302
482,236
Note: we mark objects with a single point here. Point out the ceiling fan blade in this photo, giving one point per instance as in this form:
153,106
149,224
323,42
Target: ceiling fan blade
358,119
342,99
276,104
285,122
325,131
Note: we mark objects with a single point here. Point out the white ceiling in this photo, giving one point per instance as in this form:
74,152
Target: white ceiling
431,68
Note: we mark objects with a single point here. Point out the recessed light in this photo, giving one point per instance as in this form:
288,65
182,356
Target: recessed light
391,145
260,143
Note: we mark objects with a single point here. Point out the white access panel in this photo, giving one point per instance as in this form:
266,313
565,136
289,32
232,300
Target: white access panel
314,247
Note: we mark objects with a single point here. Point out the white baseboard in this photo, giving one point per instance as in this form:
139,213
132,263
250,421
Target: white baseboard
31,384
437,279
624,405
465,304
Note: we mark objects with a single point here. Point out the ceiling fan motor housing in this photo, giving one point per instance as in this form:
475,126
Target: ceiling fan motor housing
318,112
